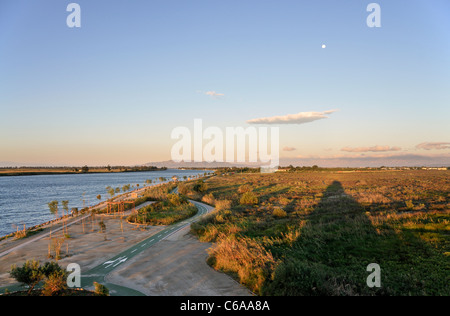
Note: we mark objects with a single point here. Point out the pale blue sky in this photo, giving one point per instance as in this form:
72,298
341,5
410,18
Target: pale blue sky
112,91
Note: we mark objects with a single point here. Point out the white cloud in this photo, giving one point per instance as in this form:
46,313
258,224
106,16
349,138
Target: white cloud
431,146
299,118
370,149
214,94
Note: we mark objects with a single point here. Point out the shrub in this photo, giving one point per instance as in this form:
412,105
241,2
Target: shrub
209,199
249,198
283,200
29,274
163,213
55,284
409,204
175,199
185,188
200,186
279,212
50,268
223,205
245,188
100,289
246,257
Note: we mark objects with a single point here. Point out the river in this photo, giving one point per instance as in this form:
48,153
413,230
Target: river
24,199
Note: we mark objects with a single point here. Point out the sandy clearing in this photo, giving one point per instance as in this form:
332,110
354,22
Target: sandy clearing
175,266
87,249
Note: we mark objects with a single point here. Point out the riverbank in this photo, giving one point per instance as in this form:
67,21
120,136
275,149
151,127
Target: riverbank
37,171
91,240
68,219
24,200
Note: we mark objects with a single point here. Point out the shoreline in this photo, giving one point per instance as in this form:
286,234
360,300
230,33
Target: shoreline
30,231
45,173
100,206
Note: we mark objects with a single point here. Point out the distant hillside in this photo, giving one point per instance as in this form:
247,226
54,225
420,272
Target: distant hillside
401,160
174,165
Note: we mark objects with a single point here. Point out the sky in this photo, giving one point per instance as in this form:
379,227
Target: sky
112,91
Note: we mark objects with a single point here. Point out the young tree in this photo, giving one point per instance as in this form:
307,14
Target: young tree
111,192
53,206
65,205
102,226
29,274
74,211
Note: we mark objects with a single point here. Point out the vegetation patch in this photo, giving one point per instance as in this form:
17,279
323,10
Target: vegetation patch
174,209
314,232
47,280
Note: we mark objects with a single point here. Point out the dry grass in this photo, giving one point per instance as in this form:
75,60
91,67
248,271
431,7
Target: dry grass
246,258
314,233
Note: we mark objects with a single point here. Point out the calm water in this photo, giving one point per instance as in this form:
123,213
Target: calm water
23,200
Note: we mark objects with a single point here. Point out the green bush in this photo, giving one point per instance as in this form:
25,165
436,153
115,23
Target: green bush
100,289
164,212
55,284
31,273
279,212
200,186
249,198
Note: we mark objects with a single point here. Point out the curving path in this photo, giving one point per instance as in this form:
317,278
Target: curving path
100,273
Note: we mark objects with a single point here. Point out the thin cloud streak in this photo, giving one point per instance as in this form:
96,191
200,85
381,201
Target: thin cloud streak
214,94
433,146
370,149
299,118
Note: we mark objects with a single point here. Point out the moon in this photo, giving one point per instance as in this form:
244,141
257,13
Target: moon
324,46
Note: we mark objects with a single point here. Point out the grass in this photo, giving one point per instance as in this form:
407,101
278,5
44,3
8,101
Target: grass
315,233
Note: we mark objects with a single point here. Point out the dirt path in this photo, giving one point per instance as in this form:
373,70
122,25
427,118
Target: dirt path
176,267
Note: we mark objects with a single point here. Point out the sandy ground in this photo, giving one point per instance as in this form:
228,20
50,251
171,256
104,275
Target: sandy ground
176,267
88,248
